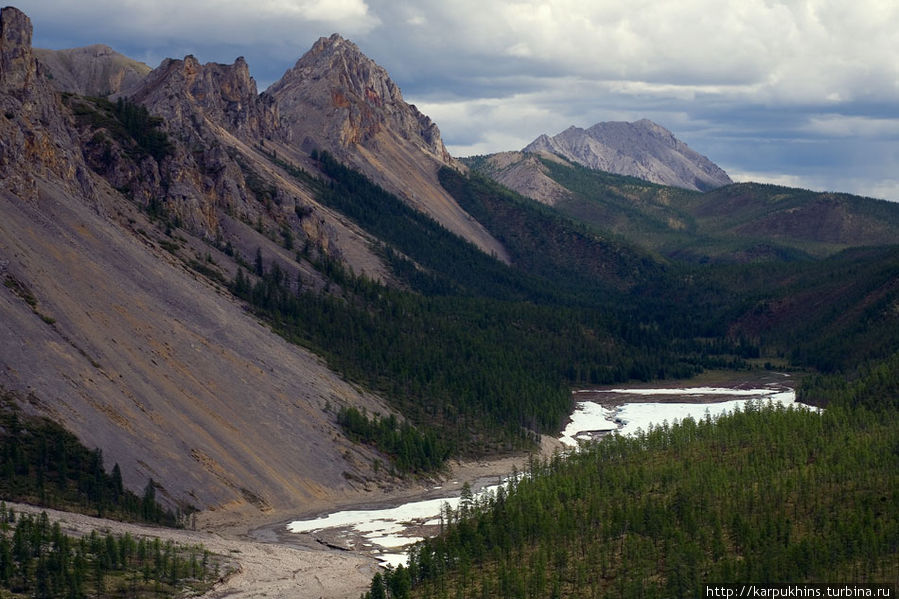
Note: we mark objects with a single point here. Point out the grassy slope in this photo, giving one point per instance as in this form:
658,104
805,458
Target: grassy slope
744,222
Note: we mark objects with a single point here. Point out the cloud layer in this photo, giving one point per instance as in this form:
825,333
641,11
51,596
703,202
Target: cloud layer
797,91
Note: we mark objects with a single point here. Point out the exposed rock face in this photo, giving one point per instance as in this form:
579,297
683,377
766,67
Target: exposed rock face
36,138
95,70
224,95
337,99
524,173
357,97
205,109
134,353
641,149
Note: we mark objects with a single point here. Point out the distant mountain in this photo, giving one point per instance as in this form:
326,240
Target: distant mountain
743,222
95,70
337,99
641,149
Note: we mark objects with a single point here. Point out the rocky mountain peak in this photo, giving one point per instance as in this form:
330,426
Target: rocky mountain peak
335,98
642,149
226,95
335,76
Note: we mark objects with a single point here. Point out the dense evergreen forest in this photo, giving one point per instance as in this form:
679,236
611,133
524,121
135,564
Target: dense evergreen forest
766,495
43,464
38,560
478,355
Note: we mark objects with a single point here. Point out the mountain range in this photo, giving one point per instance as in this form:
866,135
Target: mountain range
199,278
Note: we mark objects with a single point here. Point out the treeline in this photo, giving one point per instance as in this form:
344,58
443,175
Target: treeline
765,495
409,450
124,121
38,560
873,385
43,464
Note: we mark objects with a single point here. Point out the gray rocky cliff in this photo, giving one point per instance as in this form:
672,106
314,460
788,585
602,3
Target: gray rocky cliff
36,136
208,110
641,149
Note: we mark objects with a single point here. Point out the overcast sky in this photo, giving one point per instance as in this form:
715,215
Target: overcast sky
799,92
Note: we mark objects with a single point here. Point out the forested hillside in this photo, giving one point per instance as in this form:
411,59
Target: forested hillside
480,355
764,496
744,223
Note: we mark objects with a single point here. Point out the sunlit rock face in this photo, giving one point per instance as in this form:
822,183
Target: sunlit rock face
641,149
337,99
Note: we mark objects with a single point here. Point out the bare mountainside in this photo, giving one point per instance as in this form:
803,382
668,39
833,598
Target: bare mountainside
95,70
108,333
524,173
641,149
336,98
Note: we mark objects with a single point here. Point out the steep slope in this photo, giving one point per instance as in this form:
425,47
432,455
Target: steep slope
95,70
337,99
107,333
641,149
35,137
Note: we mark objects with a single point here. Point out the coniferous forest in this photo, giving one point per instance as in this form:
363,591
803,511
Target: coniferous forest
767,495
44,464
38,560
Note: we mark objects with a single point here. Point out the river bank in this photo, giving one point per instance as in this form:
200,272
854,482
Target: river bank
271,561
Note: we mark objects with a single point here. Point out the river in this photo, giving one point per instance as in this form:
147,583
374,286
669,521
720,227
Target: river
385,532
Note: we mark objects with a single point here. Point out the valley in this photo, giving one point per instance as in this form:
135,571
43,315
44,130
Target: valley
260,308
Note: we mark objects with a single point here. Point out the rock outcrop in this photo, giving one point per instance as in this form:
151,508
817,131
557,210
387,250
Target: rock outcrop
224,95
206,110
337,99
36,138
95,70
114,337
641,149
524,173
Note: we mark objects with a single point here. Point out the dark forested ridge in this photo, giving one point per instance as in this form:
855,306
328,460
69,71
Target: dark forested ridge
480,353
